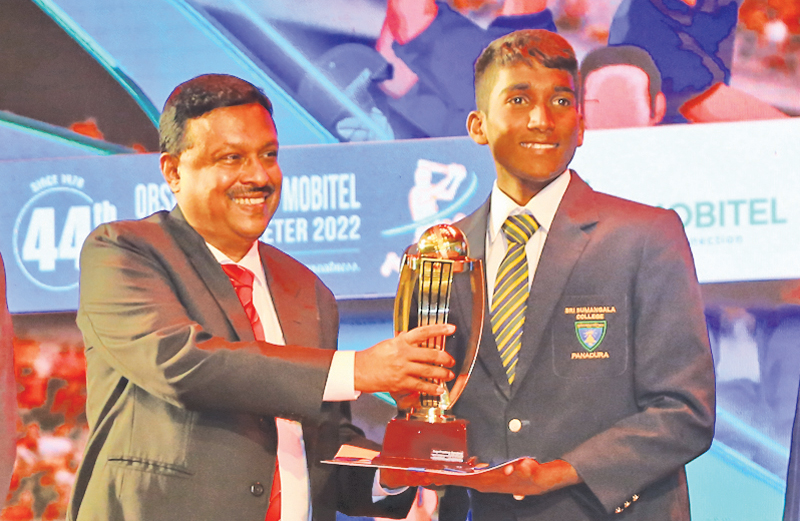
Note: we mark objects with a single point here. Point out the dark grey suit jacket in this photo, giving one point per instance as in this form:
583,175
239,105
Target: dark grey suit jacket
627,414
181,399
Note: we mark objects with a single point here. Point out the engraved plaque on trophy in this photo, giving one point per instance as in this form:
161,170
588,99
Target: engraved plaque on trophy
424,433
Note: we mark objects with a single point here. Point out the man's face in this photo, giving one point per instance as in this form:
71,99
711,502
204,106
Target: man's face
618,96
532,126
227,181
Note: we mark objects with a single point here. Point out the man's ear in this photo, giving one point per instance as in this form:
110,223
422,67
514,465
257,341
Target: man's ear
475,127
169,169
581,128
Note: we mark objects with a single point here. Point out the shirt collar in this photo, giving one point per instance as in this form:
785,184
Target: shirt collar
251,261
542,206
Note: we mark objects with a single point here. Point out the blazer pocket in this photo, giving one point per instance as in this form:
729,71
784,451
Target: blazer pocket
590,336
145,465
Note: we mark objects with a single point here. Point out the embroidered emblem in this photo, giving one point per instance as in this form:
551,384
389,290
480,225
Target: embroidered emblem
590,333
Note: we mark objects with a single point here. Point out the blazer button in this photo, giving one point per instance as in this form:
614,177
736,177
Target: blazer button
514,425
257,489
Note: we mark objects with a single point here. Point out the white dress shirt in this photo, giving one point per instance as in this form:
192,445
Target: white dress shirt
340,386
542,206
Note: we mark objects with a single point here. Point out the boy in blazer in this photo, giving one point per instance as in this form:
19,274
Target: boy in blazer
594,364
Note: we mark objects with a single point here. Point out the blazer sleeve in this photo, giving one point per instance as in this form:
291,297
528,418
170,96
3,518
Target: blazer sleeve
673,376
134,312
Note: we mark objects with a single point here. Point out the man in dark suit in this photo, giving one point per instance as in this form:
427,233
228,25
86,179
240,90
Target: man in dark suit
594,364
199,378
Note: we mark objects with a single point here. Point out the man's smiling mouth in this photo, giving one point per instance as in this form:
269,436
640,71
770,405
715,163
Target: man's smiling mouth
251,197
250,201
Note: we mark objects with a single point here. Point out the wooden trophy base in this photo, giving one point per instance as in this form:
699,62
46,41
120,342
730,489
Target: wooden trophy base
419,444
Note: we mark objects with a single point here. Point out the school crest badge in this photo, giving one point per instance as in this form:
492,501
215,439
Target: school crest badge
590,333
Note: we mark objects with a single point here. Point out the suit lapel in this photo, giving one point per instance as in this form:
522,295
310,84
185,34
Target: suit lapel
566,240
474,227
207,267
295,305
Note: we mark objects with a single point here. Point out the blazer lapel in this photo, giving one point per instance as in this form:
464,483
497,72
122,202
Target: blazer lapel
566,240
294,306
209,270
474,227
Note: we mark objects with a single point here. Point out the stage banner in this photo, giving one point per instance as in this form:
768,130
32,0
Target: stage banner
348,211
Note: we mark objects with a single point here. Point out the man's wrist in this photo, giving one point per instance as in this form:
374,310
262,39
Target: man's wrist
340,385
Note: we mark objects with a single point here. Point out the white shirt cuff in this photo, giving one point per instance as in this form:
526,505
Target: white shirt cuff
341,383
379,492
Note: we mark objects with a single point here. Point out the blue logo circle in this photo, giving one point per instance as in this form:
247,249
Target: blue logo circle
48,235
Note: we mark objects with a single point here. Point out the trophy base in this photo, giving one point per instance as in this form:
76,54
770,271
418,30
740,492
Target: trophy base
414,444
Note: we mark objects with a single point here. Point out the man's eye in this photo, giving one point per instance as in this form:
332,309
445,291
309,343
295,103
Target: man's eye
516,100
564,102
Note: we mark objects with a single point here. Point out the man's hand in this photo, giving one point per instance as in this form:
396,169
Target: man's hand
399,365
526,477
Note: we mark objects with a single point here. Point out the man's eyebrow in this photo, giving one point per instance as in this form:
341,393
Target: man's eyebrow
564,88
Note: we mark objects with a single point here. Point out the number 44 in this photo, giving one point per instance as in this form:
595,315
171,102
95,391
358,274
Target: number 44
40,239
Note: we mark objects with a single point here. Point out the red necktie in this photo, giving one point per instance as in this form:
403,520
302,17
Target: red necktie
242,280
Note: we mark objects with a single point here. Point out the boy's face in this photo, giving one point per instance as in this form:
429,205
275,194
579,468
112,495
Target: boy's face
530,121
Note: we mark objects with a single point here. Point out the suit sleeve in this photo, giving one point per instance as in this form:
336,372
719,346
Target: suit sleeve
131,313
673,376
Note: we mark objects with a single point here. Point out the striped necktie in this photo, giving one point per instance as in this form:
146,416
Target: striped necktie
510,296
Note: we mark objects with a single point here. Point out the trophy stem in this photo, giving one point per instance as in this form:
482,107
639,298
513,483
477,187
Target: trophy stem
431,415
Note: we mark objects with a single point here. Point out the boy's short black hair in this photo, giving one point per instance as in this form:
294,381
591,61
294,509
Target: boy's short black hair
546,47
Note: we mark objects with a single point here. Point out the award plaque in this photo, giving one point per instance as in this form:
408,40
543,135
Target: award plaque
424,434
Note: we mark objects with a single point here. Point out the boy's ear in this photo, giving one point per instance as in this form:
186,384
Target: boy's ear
475,127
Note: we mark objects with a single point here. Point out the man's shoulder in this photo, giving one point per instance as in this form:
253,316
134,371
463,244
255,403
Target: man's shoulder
151,233
144,226
286,267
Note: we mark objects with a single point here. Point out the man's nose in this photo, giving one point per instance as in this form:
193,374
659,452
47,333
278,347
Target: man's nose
259,171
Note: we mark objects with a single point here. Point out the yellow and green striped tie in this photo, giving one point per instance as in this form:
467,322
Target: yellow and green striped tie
510,296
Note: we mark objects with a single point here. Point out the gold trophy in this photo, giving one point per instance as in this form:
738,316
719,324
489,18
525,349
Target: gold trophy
424,434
